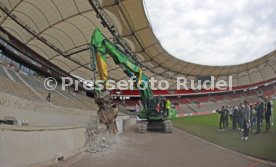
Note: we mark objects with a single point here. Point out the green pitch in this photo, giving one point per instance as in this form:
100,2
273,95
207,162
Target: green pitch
206,127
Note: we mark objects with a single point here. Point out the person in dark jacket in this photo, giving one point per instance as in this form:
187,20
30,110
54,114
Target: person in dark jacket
222,118
259,115
246,120
240,117
263,111
267,114
48,98
235,117
226,116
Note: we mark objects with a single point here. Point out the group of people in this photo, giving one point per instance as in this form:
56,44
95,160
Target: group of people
246,117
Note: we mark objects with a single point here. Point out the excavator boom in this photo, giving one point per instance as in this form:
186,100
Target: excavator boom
101,48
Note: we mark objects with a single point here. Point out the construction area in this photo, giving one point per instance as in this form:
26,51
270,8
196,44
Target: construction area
178,149
66,99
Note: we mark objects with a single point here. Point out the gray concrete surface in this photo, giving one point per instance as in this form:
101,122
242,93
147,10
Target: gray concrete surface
23,147
155,149
42,114
49,118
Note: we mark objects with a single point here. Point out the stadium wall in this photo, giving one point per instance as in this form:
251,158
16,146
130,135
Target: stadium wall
23,146
27,146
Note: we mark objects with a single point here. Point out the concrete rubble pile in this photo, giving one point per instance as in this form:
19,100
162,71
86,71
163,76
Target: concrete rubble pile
98,139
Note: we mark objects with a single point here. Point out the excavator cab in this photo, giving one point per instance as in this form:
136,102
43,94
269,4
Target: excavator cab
157,108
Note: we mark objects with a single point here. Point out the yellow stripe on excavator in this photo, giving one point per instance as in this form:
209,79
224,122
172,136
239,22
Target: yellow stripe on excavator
140,76
102,67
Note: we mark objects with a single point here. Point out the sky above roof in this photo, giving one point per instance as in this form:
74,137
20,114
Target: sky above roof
214,32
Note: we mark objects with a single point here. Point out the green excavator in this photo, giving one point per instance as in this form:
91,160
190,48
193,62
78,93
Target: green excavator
155,113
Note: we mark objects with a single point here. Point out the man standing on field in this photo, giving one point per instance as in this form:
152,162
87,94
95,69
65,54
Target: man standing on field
246,120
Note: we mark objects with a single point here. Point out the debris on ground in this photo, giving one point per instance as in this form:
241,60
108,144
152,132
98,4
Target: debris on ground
98,139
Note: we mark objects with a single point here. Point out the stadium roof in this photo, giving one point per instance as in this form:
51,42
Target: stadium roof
60,30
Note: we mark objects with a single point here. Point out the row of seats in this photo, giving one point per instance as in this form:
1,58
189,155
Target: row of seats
200,99
2,73
213,102
58,96
69,99
10,87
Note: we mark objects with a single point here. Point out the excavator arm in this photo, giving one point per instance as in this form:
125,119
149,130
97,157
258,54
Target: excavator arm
152,106
103,47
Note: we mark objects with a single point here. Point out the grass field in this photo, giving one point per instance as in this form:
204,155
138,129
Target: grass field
262,145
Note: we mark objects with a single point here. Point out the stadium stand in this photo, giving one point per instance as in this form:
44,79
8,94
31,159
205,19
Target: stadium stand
211,102
13,75
21,85
208,106
218,97
233,95
17,89
131,102
184,109
250,93
199,99
269,92
2,73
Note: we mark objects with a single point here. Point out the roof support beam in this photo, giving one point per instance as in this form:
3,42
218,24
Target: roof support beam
76,50
40,38
10,11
